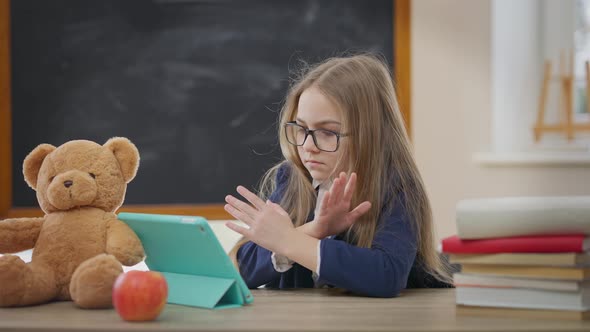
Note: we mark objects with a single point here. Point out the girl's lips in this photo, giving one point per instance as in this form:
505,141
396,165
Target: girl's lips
311,164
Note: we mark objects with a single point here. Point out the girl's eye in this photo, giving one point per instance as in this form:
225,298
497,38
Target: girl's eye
92,175
325,134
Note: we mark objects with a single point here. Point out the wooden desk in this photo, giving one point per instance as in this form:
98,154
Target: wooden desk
295,310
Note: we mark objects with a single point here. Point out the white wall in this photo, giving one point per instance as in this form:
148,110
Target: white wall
452,113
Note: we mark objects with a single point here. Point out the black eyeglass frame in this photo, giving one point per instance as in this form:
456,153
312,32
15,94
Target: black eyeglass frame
311,132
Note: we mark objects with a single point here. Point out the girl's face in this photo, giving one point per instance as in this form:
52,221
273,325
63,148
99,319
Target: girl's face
316,111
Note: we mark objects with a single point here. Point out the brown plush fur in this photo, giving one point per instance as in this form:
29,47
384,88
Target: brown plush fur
79,245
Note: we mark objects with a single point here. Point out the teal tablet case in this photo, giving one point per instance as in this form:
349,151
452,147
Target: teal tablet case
186,251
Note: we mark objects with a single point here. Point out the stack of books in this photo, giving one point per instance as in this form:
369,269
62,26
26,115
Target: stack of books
523,256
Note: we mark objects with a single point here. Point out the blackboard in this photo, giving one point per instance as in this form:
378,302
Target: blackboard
196,85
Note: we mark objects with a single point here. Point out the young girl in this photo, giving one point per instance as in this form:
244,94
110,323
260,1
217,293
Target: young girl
347,207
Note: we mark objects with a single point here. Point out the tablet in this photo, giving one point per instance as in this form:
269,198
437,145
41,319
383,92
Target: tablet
194,263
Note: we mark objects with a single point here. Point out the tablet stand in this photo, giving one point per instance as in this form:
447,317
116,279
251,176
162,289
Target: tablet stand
202,291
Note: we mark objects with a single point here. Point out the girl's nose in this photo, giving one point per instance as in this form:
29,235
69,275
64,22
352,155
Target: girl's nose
309,144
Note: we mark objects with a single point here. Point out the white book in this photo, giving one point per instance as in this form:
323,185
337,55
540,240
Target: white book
523,298
474,280
518,216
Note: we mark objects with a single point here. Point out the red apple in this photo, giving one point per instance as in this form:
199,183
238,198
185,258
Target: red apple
140,295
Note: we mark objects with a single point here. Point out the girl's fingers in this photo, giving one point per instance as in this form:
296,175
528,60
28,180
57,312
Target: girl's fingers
238,214
278,208
349,190
325,203
239,229
242,206
361,209
336,190
331,197
251,197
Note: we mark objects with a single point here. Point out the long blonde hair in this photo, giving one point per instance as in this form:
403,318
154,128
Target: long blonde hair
378,150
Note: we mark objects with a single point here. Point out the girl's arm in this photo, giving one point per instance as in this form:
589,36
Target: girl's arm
270,227
380,271
255,265
255,262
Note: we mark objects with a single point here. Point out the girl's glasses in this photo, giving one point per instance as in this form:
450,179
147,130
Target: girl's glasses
325,140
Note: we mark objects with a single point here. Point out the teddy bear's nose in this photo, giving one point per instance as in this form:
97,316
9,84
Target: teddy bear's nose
68,183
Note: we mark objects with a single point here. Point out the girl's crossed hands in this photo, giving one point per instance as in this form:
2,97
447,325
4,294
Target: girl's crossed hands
270,226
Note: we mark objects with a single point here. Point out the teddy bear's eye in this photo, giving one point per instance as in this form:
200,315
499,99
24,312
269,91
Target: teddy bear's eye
93,176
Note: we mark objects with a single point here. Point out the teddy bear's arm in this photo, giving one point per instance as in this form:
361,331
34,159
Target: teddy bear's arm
19,234
123,243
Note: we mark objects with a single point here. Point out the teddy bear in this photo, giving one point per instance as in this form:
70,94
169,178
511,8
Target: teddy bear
79,245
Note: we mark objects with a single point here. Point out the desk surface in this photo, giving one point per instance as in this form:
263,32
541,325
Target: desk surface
293,310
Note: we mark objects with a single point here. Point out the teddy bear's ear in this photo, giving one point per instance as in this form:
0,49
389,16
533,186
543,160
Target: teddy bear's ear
127,155
33,162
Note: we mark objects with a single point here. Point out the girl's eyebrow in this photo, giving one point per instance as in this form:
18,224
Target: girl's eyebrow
324,122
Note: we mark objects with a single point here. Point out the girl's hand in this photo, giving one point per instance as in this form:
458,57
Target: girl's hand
269,225
335,215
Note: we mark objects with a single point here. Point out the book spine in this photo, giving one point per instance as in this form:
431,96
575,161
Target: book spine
560,259
490,281
553,244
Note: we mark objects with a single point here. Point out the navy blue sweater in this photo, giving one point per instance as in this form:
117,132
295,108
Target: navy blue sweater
380,271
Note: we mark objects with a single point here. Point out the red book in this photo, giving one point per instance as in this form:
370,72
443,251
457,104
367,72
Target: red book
530,244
